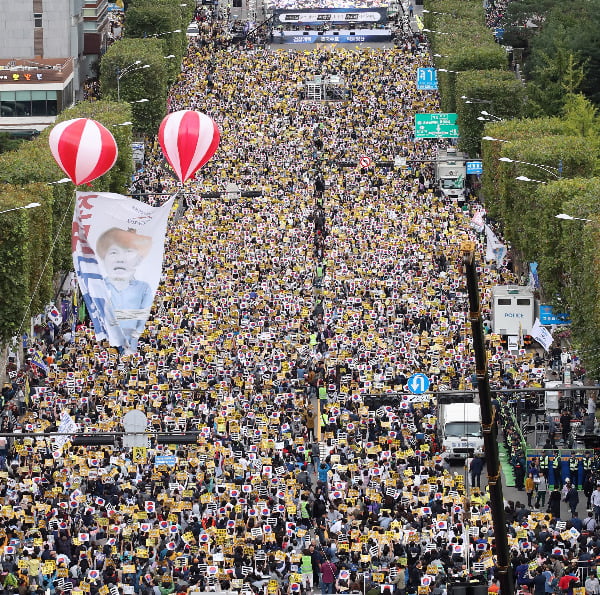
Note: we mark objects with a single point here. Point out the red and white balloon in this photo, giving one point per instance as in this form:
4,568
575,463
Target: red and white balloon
188,140
83,148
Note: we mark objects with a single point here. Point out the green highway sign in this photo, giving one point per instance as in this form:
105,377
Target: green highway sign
436,126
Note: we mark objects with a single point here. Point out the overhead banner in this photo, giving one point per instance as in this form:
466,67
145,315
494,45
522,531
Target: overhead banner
118,247
320,16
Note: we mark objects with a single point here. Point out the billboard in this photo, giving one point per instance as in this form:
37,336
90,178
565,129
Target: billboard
336,16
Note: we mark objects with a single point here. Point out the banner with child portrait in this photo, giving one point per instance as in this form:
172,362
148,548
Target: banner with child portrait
118,247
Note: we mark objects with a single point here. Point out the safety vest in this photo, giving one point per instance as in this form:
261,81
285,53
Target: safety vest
557,461
306,565
544,463
573,464
324,419
322,392
587,463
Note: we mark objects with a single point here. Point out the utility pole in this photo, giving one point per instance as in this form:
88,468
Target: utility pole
488,423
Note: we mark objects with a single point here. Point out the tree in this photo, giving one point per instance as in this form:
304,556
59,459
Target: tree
569,29
581,117
150,18
25,255
139,83
556,76
522,20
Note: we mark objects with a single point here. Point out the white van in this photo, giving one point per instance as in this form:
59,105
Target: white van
193,30
459,430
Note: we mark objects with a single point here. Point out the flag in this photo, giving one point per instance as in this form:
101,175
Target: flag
495,249
478,223
37,359
118,246
541,335
534,280
53,315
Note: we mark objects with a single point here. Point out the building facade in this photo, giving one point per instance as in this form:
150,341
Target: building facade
49,48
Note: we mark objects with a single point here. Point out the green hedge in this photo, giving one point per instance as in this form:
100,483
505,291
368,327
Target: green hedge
463,41
35,244
26,267
491,151
495,91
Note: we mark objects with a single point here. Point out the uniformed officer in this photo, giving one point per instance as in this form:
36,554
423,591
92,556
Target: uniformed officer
544,464
574,468
557,470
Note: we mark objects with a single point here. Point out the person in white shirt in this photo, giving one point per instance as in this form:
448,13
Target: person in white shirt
595,501
592,585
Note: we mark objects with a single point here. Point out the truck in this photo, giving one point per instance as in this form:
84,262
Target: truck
451,173
459,430
513,310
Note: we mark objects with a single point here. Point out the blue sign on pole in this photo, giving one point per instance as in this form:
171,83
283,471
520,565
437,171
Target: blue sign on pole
169,460
418,384
547,316
474,167
498,32
427,79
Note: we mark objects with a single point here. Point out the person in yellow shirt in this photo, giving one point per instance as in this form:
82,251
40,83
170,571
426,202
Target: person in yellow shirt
529,488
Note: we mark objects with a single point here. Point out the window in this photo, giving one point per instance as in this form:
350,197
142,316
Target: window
7,104
28,103
23,103
504,301
523,301
37,19
51,103
38,103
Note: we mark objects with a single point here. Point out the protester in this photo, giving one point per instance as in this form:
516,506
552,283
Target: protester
284,318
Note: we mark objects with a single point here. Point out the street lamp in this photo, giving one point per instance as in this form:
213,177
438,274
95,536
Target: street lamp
167,33
140,101
484,113
555,171
452,71
169,56
61,181
471,100
498,140
128,69
438,32
526,179
570,218
31,205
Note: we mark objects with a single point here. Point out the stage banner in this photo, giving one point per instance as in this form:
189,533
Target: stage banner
118,247
321,16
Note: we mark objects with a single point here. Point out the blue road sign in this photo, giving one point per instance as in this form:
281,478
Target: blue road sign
547,316
427,79
474,167
169,460
418,384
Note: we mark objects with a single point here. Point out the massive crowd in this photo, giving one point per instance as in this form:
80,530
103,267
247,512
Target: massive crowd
330,285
